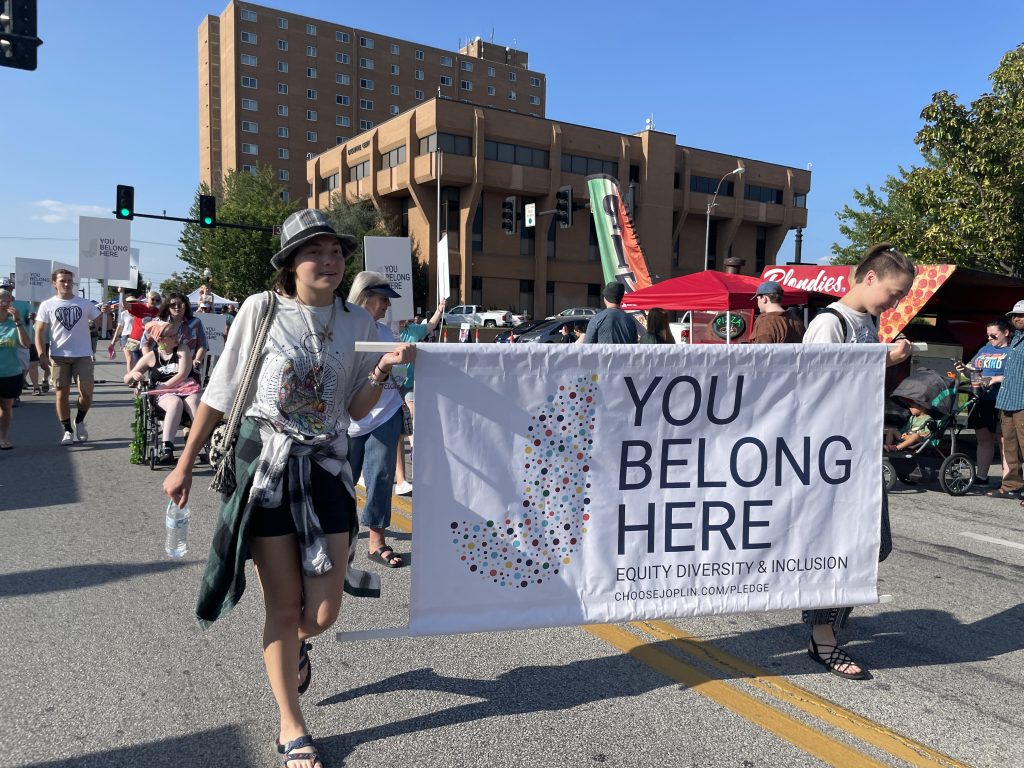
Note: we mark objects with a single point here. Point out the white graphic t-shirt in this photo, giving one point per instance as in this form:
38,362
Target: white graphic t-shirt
69,325
826,328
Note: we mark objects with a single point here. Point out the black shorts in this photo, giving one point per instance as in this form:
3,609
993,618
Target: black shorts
10,386
984,416
332,504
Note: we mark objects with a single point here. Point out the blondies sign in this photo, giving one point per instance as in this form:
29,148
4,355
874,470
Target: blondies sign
578,484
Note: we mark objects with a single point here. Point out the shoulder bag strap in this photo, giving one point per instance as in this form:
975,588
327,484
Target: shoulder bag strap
258,342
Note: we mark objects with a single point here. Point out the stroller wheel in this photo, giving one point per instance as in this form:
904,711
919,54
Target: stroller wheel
956,475
888,475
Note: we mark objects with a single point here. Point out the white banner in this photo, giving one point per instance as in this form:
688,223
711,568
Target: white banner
570,484
392,257
133,277
32,279
444,286
214,326
104,248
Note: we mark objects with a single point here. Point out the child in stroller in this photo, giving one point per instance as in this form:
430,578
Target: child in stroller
174,385
930,405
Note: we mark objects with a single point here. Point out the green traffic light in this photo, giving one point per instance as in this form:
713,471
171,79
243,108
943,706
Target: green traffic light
207,220
125,212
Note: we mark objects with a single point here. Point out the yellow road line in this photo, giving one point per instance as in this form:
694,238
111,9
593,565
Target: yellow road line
815,743
897,745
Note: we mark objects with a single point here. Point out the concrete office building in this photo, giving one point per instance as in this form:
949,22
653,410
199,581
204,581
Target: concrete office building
276,87
489,154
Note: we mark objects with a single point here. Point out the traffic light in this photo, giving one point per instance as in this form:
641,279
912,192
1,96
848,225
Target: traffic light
509,219
207,211
563,207
18,41
125,202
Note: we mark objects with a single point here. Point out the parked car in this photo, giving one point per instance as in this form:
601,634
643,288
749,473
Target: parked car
474,314
576,312
549,331
519,329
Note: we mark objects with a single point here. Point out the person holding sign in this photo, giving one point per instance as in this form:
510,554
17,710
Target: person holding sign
292,507
880,281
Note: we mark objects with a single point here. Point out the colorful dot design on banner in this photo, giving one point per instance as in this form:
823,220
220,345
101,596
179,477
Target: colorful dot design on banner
535,544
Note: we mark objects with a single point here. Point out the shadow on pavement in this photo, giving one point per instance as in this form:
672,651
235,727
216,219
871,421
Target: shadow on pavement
79,576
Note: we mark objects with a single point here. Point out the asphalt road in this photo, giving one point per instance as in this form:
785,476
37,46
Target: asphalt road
103,665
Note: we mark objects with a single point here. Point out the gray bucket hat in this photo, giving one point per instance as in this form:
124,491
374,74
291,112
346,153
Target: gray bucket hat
301,227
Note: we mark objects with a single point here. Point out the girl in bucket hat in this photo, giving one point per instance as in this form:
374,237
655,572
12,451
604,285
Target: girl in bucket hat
293,508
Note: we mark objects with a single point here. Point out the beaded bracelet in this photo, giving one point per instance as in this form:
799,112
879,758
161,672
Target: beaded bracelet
375,382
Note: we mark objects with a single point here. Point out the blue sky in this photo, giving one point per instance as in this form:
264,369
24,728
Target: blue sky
114,99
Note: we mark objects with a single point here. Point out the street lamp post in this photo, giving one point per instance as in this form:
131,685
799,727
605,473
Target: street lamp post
712,204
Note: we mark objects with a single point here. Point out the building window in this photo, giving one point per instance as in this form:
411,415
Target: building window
526,296
418,74
512,76
634,174
449,144
249,104
282,23
282,88
366,63
311,50
342,99
675,252
549,297
341,58
799,199
366,84
552,230
761,249
365,125
248,59
491,72
311,72
419,56
311,30
395,90
534,99
393,109
282,45
445,80
477,290
712,245
527,235
310,135
359,171
535,82
490,90
366,42
282,175
249,37
394,69
366,104
249,127
343,120
248,82
248,15
593,250
343,79
511,95
593,295
250,149
450,215
478,227
282,153
250,169
284,195
465,85
707,185
341,37
446,61
762,194
394,157
675,180
340,139
282,66
418,95
515,154
395,49
311,94
466,66
407,203
311,114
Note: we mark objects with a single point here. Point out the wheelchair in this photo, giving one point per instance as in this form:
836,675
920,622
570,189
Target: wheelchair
153,426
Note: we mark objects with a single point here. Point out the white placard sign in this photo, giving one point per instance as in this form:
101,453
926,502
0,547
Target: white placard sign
32,279
444,289
133,279
392,257
104,248
574,484
214,326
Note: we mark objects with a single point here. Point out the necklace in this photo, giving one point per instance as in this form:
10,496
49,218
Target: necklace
318,339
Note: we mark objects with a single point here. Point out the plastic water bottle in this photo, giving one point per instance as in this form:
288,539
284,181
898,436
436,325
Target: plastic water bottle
177,530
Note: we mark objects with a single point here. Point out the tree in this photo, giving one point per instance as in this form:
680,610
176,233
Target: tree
181,283
238,259
359,218
965,204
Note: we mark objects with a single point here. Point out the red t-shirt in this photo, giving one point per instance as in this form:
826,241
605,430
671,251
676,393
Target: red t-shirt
140,312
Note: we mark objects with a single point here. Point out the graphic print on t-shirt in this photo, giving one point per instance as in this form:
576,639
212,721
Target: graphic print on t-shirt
302,388
68,315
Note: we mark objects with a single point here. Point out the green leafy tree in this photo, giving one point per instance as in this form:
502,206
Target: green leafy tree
359,218
965,203
238,259
183,283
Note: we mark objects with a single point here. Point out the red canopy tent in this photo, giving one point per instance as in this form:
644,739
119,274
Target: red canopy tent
708,290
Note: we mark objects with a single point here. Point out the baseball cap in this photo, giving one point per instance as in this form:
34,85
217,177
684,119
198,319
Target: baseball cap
383,289
767,288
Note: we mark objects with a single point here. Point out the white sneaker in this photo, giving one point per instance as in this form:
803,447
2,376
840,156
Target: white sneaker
68,439
403,489
81,432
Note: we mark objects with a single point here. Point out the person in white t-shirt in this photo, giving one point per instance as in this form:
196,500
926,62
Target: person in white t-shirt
68,318
880,281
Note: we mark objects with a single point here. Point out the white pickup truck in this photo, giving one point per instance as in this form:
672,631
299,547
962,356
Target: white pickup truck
477,315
